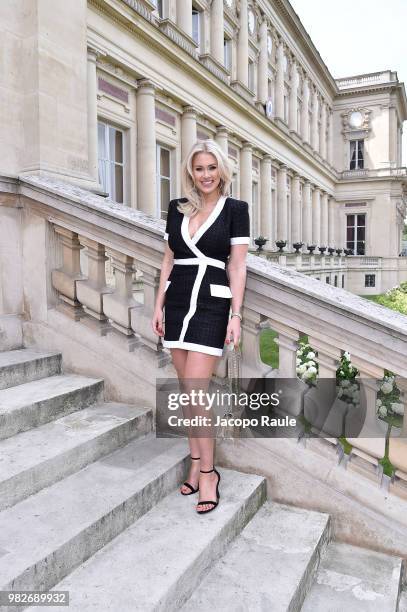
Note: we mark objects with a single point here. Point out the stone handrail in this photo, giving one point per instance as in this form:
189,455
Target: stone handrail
289,302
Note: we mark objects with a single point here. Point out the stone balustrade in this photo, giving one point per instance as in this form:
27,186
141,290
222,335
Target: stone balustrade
286,300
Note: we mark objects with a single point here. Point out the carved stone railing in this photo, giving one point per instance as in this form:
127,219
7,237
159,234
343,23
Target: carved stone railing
279,297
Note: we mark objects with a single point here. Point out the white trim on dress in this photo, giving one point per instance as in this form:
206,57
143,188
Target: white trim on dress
240,240
191,346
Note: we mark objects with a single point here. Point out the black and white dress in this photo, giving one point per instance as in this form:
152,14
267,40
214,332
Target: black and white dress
197,294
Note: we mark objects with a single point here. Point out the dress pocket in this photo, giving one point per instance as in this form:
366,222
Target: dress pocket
220,291
167,284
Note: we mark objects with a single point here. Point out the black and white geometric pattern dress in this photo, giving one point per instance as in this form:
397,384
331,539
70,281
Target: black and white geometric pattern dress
197,294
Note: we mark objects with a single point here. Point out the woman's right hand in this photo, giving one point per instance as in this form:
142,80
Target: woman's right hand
157,322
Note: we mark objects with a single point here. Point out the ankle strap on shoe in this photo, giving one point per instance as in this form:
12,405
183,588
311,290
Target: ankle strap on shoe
207,471
195,458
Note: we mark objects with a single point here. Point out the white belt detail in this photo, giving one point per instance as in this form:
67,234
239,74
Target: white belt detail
201,260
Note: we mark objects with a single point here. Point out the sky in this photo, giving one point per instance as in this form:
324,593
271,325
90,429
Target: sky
358,36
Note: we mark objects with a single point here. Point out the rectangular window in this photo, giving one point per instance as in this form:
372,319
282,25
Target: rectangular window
343,281
356,233
196,26
251,75
163,180
356,155
370,280
336,281
227,53
159,6
327,280
111,160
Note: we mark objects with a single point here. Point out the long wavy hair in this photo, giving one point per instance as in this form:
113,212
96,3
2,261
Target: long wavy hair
195,202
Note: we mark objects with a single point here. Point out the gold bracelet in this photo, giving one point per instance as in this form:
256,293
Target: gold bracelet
236,314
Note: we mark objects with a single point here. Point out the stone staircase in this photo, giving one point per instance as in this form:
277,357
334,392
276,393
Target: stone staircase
89,503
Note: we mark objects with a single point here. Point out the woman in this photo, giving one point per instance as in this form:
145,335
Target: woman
207,237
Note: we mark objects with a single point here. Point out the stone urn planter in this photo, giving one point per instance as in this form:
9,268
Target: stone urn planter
338,251
281,244
260,241
331,250
311,248
297,246
322,249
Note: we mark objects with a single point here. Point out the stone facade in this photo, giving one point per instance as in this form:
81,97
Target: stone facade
111,96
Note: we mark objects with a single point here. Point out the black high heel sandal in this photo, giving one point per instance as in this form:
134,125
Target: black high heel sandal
189,485
215,503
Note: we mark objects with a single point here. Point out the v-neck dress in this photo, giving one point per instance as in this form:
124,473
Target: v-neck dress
197,295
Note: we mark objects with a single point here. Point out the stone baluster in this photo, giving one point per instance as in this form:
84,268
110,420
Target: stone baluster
369,447
64,279
398,447
118,305
287,342
252,365
90,292
142,314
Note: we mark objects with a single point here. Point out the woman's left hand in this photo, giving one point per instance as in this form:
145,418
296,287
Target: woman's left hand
233,331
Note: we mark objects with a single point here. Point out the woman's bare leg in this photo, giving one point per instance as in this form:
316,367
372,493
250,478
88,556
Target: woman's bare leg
179,358
201,366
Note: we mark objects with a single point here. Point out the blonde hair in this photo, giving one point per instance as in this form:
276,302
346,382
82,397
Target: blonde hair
193,195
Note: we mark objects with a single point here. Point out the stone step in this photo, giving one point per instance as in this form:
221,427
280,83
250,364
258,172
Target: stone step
40,401
270,566
356,579
46,536
158,562
24,365
39,457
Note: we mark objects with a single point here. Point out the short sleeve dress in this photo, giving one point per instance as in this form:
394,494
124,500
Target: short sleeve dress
197,295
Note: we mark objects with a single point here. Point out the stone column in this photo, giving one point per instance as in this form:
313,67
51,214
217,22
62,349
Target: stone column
246,177
282,227
331,222
92,115
146,147
324,219
304,111
184,16
306,213
293,111
316,217
188,130
295,209
243,45
323,143
314,121
222,138
263,64
217,30
331,137
266,205
279,85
